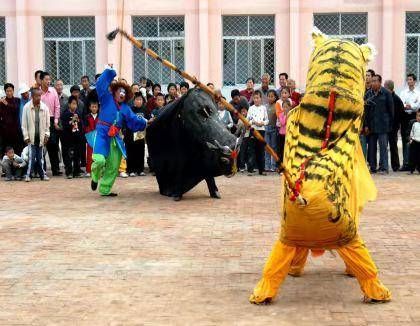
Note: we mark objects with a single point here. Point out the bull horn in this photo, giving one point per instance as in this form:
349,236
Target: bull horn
211,146
226,149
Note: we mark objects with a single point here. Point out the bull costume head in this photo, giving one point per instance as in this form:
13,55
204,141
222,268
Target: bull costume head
188,144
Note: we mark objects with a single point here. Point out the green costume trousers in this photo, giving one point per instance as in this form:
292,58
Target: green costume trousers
105,170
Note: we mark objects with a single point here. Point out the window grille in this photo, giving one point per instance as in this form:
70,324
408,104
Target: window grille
412,52
69,48
349,26
2,51
248,48
166,36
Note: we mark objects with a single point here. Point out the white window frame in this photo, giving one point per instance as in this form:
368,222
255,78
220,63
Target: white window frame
69,39
249,38
407,35
344,36
159,39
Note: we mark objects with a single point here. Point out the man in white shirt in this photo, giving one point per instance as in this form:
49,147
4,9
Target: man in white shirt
411,100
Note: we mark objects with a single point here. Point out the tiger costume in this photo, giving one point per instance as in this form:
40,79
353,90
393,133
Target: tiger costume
324,157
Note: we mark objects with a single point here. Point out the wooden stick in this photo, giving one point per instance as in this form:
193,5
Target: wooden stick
121,38
208,90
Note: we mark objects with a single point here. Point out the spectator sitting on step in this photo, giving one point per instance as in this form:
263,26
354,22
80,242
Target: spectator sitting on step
13,165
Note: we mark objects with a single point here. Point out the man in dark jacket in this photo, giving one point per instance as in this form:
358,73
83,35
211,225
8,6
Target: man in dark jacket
393,135
380,117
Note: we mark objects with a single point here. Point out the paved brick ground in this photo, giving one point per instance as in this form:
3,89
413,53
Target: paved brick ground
68,257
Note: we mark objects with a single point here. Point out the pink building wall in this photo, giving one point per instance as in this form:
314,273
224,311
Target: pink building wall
203,31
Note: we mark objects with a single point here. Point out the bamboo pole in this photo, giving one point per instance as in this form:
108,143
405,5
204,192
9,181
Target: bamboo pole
111,36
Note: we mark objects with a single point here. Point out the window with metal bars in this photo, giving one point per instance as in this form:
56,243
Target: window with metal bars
69,48
166,36
2,51
412,47
248,48
349,26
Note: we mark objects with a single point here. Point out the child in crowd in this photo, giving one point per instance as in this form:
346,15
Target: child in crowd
36,131
415,145
91,120
135,142
71,121
151,102
160,103
184,87
257,116
281,125
242,131
284,96
12,165
224,115
172,93
271,134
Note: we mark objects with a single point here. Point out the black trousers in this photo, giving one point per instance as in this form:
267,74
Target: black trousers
71,156
280,146
243,154
414,156
393,149
256,157
135,156
83,152
53,148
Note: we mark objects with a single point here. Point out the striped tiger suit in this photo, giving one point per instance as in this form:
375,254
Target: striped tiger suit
336,182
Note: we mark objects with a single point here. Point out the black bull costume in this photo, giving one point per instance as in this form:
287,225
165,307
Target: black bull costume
188,144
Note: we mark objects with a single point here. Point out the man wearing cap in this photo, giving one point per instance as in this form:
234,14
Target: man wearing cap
24,98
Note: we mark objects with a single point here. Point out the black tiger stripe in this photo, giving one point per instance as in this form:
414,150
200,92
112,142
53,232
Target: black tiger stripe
314,133
334,71
315,176
342,62
330,84
320,165
341,152
326,94
335,48
308,148
323,112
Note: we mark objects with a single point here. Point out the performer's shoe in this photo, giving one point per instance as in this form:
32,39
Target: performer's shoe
216,195
253,299
93,185
349,273
373,301
177,197
111,194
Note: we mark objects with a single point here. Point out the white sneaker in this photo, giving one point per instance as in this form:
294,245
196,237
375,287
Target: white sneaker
87,175
142,174
132,174
123,175
45,178
27,178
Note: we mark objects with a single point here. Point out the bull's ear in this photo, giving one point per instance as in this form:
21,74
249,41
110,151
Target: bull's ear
368,51
318,37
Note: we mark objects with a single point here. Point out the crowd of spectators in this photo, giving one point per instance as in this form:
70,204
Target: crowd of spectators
43,121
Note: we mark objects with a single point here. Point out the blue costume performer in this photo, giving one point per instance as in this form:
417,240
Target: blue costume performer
108,147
